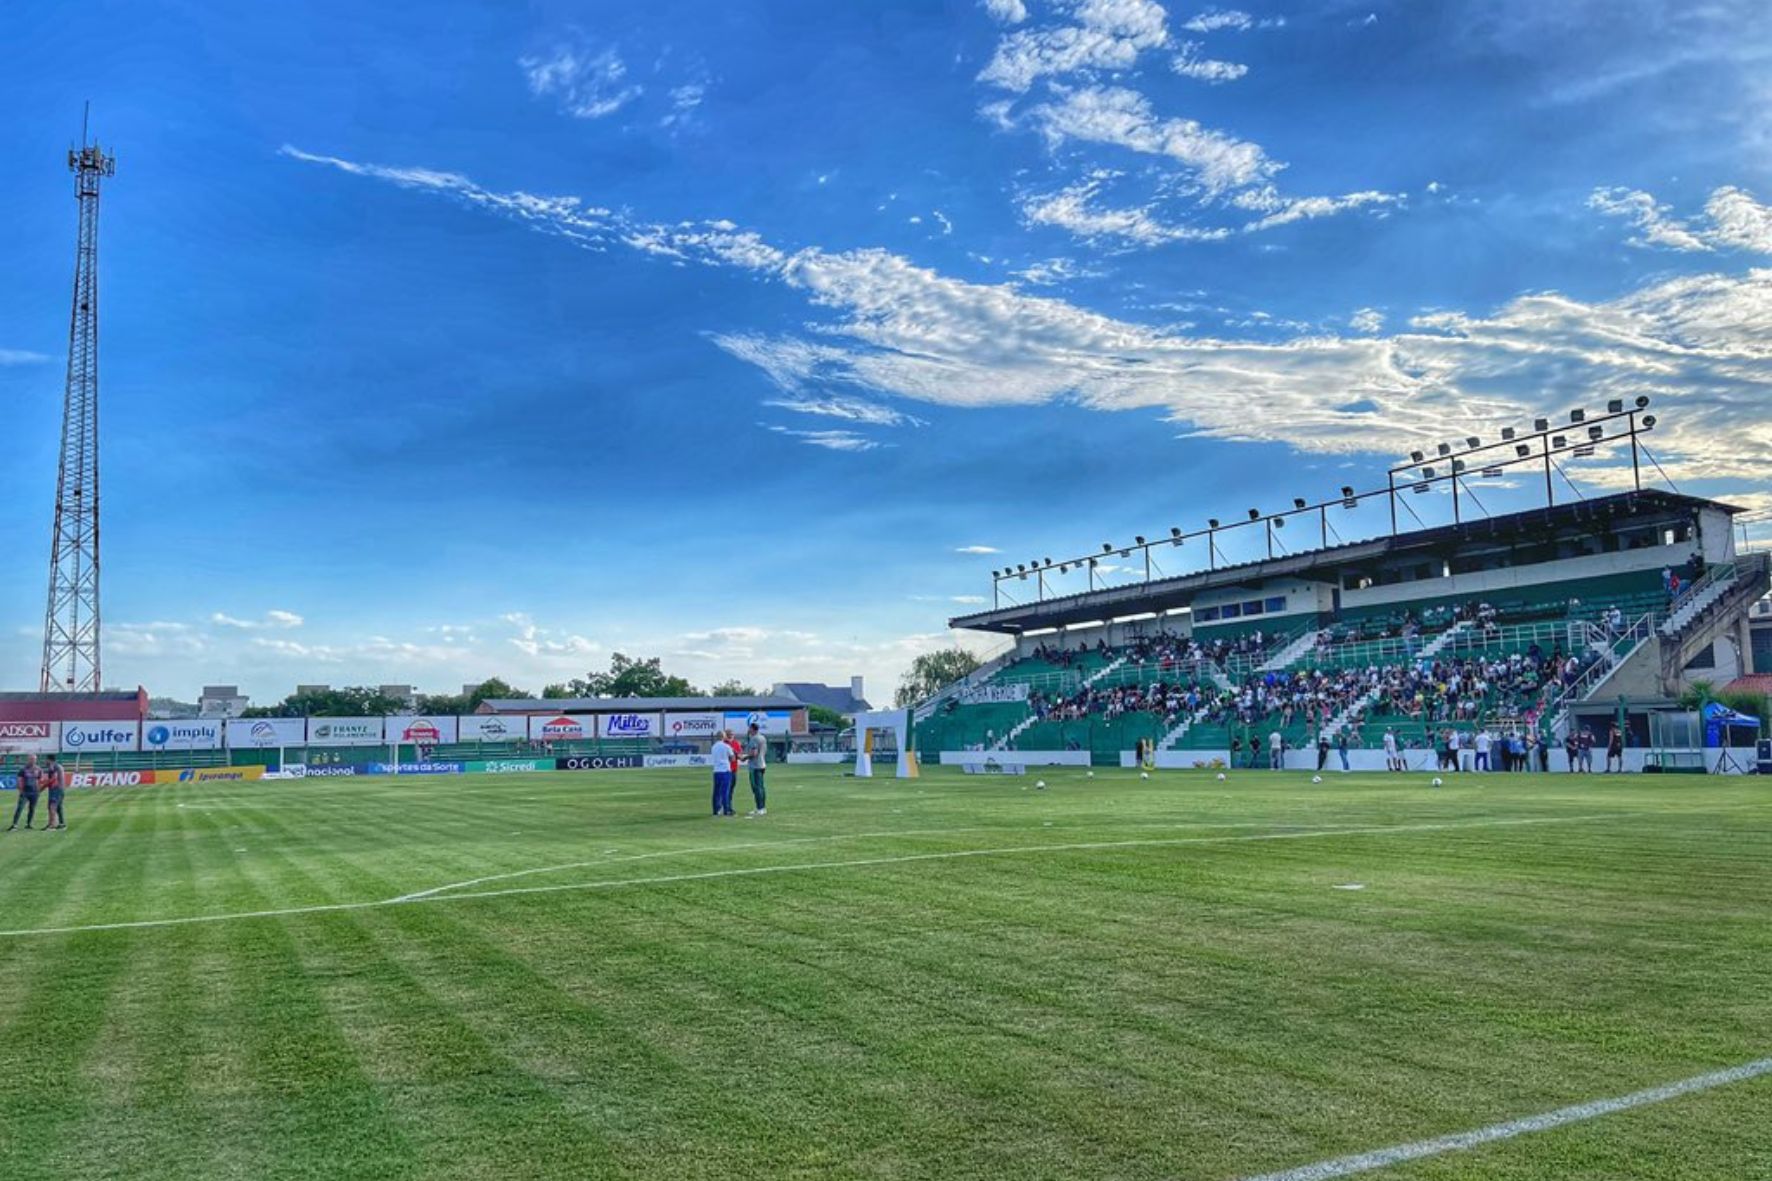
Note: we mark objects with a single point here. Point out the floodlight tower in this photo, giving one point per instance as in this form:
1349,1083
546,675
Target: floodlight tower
70,622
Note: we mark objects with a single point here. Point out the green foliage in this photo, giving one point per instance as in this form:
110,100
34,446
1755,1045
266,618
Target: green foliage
627,676
352,701
820,715
734,688
932,672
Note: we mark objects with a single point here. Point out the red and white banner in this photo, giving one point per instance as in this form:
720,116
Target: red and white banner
561,728
421,731
30,737
692,725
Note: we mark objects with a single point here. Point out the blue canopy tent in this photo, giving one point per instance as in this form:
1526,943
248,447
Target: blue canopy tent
1720,721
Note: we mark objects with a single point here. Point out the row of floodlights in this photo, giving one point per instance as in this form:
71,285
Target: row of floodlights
1541,426
1349,497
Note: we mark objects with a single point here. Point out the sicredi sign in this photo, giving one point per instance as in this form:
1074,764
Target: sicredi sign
261,733
419,731
560,728
83,736
182,734
30,737
344,731
691,725
628,725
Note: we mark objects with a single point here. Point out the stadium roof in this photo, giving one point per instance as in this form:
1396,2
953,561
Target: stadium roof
840,698
605,705
1167,594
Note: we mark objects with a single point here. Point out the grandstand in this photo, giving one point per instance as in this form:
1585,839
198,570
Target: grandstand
1509,623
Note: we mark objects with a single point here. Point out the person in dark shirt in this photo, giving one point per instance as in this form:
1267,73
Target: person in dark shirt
55,781
30,781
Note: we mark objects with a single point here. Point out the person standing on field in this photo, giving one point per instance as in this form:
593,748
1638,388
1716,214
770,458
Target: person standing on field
55,780
30,781
722,756
756,761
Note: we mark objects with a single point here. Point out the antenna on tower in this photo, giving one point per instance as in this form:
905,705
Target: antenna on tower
71,619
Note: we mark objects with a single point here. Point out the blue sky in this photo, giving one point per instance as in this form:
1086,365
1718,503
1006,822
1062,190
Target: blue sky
450,340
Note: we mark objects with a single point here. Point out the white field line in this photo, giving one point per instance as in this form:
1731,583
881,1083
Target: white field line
1384,1158
858,863
853,836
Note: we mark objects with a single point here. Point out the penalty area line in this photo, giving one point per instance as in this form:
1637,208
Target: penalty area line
800,867
1384,1158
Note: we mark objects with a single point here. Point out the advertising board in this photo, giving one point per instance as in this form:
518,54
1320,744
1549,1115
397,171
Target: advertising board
773,722
182,734
210,775
109,736
492,728
109,778
30,737
509,766
600,763
334,771
561,728
344,732
656,762
416,768
263,733
692,725
994,694
628,725
420,731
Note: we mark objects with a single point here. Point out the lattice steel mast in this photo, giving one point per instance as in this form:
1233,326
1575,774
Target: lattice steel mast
71,621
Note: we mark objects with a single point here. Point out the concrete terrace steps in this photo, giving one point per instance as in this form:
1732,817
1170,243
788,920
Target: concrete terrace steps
1021,727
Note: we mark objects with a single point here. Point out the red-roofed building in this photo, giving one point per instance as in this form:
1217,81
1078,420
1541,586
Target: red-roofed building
110,706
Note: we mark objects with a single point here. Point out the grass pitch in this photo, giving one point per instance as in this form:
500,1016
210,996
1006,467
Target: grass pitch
954,977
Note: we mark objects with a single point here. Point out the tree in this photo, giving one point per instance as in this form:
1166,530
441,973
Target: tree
352,701
932,672
820,715
630,677
734,688
556,692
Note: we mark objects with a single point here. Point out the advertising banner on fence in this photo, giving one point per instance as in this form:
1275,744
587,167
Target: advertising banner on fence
415,769
344,732
420,731
262,733
773,722
30,737
492,728
509,766
84,736
209,775
692,725
109,778
628,725
561,728
334,770
994,694
600,763
182,734
655,762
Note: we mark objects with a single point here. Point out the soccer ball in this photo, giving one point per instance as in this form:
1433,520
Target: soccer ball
1041,784
1221,776
1316,779
1144,774
1089,775
1438,782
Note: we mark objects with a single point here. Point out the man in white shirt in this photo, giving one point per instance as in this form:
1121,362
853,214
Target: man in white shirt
1392,761
1484,742
1276,746
756,760
723,757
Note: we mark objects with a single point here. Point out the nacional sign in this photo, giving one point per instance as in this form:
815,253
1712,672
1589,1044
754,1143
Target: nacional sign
344,731
182,734
30,737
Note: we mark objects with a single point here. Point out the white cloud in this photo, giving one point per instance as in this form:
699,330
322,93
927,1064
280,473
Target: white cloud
831,440
1366,320
978,549
894,329
1732,220
1010,12
1072,210
1108,35
21,357
947,227
684,101
278,620
1123,118
586,84
1214,19
853,409
1189,64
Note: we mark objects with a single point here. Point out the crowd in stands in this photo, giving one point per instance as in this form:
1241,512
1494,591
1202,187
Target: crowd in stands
1168,700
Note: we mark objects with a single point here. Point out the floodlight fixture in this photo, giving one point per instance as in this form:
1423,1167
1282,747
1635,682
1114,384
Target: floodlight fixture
1578,416
1642,401
1615,406
1139,539
1473,442
1648,422
1507,434
1107,548
1255,514
1020,567
1175,532
1457,466
1541,424
1347,489
1445,449
1596,433
1521,450
1428,472
1279,522
1416,457
1298,502
1559,441
1212,522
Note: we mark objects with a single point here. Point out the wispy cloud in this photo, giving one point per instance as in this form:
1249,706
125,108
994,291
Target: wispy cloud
271,620
852,409
1010,12
1107,35
1214,19
1732,220
977,549
587,84
1367,320
21,357
685,100
830,440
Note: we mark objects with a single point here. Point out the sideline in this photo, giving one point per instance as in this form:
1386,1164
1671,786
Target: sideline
799,867
1384,1158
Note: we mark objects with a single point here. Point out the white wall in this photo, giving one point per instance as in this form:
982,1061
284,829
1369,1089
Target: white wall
1022,758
